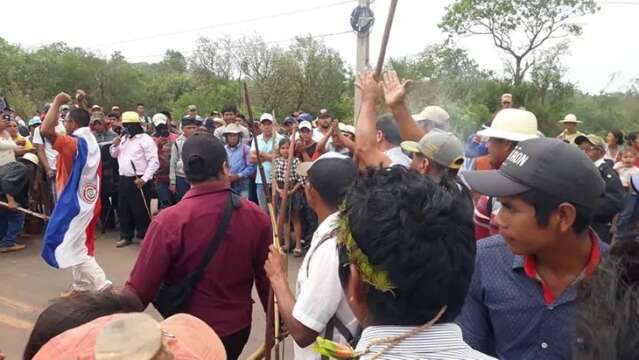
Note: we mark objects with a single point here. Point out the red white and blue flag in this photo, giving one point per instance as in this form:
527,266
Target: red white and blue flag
69,239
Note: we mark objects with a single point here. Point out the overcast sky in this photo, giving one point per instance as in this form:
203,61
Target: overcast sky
607,46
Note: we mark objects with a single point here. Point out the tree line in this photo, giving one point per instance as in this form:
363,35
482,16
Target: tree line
308,75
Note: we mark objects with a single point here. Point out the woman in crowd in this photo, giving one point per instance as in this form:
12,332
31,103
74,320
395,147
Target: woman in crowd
614,142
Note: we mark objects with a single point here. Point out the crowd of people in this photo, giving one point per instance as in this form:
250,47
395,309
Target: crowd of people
416,244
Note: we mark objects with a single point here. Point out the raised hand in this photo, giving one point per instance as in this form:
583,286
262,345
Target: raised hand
367,84
61,99
395,91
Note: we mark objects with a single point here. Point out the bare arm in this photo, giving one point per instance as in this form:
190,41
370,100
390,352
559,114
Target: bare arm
366,130
395,94
47,129
321,146
276,272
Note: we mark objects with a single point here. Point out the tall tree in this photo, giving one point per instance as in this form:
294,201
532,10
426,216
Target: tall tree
517,27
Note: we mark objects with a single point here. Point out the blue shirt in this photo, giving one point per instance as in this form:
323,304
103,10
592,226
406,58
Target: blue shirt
504,314
269,146
238,159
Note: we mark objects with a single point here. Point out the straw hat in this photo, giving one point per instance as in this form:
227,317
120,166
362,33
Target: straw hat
570,119
513,125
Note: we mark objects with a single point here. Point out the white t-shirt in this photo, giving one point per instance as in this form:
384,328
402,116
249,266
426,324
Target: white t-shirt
48,148
319,291
398,157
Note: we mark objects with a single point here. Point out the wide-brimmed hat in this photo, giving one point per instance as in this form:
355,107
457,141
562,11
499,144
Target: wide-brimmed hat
570,119
136,336
32,158
513,125
130,117
232,129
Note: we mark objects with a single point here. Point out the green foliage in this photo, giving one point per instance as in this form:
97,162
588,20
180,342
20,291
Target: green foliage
517,27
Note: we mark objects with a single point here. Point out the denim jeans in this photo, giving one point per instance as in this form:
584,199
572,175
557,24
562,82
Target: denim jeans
11,223
164,195
261,197
181,187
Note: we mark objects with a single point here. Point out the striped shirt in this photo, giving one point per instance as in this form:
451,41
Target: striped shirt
440,342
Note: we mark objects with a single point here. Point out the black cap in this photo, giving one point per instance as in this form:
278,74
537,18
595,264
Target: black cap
544,164
202,155
331,175
190,120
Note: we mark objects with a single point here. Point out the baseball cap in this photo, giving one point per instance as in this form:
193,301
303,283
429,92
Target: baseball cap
591,138
65,107
136,336
266,117
436,114
159,119
346,128
35,121
97,117
306,125
191,108
443,148
507,97
288,120
324,113
96,107
189,120
544,164
305,117
331,175
512,124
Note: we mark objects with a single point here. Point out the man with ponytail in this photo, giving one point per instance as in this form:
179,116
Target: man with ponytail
180,236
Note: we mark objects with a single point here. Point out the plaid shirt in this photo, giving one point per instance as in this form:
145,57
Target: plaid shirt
279,170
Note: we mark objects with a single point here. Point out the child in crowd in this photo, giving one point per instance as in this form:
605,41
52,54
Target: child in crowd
294,195
626,168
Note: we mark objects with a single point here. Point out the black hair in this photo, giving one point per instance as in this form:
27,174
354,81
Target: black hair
606,315
545,204
203,165
618,136
114,114
77,310
386,124
139,104
241,116
167,114
80,117
632,137
229,108
413,229
283,142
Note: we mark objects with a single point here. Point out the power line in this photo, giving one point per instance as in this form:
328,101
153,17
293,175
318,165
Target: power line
618,3
230,23
189,52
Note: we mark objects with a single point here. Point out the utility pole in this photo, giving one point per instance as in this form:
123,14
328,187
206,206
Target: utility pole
363,31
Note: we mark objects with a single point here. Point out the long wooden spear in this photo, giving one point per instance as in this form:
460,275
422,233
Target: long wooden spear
25,211
387,29
272,314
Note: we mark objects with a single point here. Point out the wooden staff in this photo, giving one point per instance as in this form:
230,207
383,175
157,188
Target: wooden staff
387,29
284,201
25,211
272,312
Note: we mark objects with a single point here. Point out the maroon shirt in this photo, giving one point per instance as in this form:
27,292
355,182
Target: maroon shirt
175,244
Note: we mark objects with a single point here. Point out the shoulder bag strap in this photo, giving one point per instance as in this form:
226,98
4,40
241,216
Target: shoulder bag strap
232,203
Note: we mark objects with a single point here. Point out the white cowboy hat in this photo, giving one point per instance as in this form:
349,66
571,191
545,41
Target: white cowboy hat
512,124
